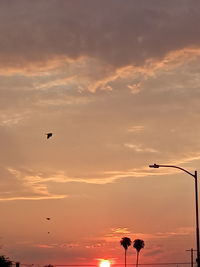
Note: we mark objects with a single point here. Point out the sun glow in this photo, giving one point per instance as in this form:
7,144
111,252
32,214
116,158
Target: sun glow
104,263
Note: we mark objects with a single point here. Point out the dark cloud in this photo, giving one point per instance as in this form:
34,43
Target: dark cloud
116,32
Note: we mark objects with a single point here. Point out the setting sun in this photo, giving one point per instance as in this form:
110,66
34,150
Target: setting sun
104,263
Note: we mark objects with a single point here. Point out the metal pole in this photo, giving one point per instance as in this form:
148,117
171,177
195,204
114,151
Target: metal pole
196,203
191,255
197,218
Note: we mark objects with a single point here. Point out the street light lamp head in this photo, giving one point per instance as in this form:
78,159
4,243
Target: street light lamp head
154,166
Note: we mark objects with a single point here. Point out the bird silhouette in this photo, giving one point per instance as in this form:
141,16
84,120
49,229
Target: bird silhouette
49,135
48,218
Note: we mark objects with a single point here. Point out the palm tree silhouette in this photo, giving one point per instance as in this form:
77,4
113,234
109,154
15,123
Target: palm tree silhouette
138,244
125,242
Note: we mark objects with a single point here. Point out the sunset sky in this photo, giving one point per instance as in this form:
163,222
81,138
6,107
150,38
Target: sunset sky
117,82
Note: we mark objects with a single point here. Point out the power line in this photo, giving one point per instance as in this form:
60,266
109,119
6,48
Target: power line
114,264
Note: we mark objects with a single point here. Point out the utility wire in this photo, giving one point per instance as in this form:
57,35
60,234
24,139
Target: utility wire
117,264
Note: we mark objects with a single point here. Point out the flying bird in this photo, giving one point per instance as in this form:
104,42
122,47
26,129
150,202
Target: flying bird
49,135
48,218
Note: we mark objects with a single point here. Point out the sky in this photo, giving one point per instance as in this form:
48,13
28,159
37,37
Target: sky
117,83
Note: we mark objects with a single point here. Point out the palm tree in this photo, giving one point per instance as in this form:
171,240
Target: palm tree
125,242
138,244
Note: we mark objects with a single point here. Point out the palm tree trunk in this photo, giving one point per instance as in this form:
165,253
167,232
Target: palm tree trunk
137,259
125,258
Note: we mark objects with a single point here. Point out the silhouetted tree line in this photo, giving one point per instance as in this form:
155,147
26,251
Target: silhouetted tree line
6,262
138,244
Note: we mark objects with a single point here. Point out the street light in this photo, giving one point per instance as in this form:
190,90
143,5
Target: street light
196,202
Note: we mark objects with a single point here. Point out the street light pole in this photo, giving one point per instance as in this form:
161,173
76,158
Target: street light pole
197,218
196,202
191,255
